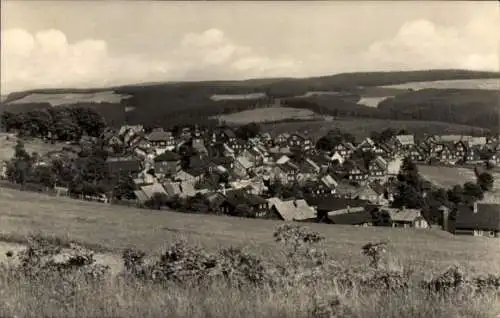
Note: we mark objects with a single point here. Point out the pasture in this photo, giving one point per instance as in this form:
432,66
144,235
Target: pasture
446,177
362,127
112,228
486,84
59,99
268,114
35,145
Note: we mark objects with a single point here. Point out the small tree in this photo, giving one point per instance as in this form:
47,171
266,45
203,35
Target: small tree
485,181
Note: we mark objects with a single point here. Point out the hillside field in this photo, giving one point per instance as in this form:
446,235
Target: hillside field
362,127
446,177
113,228
36,145
55,99
268,114
486,84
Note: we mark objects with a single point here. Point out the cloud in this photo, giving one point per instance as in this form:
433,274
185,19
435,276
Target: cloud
421,44
46,59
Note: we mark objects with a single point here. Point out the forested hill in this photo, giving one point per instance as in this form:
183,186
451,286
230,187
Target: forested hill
190,102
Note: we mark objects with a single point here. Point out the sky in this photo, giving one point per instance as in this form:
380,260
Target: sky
46,44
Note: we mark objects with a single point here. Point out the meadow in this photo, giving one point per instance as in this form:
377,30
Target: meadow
363,127
339,283
110,228
7,145
486,84
268,114
447,177
66,98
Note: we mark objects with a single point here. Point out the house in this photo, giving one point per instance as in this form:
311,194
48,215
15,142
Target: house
356,217
446,154
482,219
282,139
344,149
225,135
337,157
366,145
184,176
129,164
298,142
394,166
472,155
168,163
331,206
404,142
198,146
242,166
240,203
182,189
292,210
417,154
160,138
377,167
146,192
367,193
460,149
287,173
406,218
356,173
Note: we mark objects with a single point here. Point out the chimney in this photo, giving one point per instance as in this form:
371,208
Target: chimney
180,187
295,203
348,208
475,207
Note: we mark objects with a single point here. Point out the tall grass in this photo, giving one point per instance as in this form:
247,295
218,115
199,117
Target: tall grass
186,281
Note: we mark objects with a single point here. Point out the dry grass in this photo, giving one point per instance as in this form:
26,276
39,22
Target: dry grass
114,228
129,300
268,114
446,177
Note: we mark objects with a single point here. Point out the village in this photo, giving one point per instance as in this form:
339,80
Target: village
290,177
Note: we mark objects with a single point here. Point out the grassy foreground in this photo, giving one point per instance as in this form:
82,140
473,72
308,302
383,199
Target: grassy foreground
188,281
114,228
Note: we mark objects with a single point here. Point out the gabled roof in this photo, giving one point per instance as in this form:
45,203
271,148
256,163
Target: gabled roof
354,217
293,210
151,189
168,156
403,215
329,181
486,218
239,196
244,162
380,162
229,133
405,140
141,196
334,204
159,136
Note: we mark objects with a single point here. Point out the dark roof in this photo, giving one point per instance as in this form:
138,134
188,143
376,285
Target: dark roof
168,156
222,160
352,218
229,133
239,196
159,136
486,218
124,164
333,204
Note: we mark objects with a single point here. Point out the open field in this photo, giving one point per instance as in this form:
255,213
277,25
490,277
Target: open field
362,127
58,99
446,177
487,84
269,114
113,228
36,145
372,101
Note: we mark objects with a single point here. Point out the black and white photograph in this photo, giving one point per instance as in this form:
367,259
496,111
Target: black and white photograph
265,159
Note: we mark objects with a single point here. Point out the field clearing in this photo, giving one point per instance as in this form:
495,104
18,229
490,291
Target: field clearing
113,228
446,177
268,114
362,127
58,99
486,84
7,147
372,101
